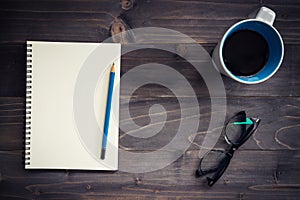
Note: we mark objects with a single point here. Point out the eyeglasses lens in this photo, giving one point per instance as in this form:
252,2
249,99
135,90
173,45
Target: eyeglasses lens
235,128
211,161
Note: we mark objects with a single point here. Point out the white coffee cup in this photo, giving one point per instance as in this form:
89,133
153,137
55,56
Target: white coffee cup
262,24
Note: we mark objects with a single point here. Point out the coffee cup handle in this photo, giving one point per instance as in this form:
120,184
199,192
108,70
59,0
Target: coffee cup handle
266,15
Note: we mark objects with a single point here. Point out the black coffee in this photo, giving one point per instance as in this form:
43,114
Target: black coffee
245,52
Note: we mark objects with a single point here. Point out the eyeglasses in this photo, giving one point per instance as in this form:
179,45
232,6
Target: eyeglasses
236,132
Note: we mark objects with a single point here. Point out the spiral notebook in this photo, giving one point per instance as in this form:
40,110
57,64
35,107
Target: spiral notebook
66,93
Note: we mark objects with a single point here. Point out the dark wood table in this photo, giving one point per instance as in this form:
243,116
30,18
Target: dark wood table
266,167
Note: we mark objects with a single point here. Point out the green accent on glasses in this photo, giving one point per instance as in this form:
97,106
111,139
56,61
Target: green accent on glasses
248,121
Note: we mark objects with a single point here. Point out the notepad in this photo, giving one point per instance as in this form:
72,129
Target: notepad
66,93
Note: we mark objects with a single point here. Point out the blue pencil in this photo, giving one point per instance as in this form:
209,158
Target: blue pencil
107,112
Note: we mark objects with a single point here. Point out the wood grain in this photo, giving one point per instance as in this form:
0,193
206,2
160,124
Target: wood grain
251,174
204,21
12,71
262,168
265,167
278,129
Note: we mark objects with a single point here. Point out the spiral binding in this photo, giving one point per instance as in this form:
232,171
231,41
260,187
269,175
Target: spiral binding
28,103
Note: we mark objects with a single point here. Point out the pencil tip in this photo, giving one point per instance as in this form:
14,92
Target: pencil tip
113,67
103,154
